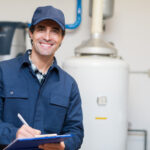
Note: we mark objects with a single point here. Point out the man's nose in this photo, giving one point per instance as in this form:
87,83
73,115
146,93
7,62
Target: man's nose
47,36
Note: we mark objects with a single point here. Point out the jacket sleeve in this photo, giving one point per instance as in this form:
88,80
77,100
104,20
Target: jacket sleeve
73,123
7,131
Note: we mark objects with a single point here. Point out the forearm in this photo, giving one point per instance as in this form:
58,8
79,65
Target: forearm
74,142
74,121
7,133
7,130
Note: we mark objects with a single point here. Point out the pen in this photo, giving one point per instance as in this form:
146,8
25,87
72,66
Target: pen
22,120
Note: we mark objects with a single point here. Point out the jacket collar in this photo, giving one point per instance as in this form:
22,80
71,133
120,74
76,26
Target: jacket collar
24,61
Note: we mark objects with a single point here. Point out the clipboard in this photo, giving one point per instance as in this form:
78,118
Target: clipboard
33,143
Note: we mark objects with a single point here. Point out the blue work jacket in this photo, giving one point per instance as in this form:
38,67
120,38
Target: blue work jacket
52,107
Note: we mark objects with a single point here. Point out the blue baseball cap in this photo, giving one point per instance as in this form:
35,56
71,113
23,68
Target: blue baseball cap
49,12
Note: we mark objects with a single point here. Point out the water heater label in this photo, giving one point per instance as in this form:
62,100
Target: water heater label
102,100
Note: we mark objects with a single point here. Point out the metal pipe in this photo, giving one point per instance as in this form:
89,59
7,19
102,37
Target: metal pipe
97,18
78,16
145,135
141,72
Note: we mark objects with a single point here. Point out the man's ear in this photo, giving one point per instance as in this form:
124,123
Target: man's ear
30,34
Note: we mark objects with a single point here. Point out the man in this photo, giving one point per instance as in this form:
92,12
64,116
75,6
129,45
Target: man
37,88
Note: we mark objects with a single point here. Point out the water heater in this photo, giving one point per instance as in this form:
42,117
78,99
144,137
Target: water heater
103,84
102,77
12,39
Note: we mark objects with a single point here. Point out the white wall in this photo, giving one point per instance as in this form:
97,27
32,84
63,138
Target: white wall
128,29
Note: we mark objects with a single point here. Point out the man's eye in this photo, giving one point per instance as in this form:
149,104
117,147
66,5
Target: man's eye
40,28
55,30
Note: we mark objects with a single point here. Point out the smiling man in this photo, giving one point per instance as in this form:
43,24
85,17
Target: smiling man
37,88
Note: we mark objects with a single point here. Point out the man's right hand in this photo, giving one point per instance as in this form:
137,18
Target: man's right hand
27,132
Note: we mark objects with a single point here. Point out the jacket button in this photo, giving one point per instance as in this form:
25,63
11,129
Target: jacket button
11,92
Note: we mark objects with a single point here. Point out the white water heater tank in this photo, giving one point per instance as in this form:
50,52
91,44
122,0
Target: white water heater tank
103,85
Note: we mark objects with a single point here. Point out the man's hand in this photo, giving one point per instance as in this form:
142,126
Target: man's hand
53,146
27,132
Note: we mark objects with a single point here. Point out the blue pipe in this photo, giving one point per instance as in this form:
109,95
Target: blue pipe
78,16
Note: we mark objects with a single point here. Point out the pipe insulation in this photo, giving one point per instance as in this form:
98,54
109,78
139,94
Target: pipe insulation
97,17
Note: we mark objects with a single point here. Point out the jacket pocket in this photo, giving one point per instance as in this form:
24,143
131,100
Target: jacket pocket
15,93
59,100
56,113
15,101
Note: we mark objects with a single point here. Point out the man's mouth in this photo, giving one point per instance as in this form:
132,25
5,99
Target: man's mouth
46,45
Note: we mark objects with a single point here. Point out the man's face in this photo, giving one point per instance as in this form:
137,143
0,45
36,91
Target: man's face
47,38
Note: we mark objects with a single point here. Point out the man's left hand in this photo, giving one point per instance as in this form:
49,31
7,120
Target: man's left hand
53,146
